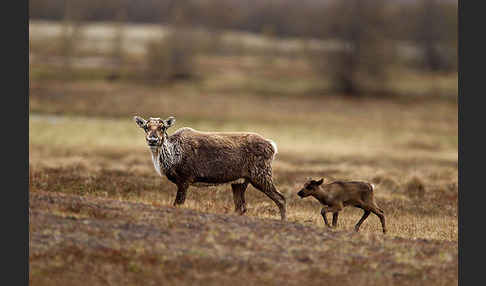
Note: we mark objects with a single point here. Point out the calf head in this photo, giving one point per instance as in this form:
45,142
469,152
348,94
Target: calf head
155,129
310,186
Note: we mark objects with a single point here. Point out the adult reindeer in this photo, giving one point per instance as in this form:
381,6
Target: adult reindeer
194,158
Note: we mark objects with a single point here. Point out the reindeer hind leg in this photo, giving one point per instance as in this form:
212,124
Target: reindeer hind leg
381,214
363,218
266,186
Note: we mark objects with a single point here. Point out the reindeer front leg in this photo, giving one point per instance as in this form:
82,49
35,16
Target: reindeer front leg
181,194
239,197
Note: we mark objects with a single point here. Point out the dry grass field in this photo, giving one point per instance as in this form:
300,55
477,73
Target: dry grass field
99,213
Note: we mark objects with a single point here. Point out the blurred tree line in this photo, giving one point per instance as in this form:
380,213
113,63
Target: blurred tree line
367,29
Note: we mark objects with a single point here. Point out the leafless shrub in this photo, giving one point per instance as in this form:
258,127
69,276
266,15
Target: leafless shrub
432,33
172,57
357,65
71,36
117,51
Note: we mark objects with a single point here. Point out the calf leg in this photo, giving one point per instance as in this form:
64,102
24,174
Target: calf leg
239,197
381,214
365,215
181,194
334,219
323,213
332,209
266,186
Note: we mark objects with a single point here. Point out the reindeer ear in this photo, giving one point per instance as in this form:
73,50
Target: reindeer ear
169,121
140,121
320,181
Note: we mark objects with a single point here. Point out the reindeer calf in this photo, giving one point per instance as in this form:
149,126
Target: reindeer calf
338,194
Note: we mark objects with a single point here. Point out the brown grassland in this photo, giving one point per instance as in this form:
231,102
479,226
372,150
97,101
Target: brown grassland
100,215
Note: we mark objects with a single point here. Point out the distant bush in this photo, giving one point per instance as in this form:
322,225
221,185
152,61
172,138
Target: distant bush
69,39
117,53
172,57
359,64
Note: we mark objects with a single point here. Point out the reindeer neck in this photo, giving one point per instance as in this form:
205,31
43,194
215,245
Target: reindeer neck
322,195
166,156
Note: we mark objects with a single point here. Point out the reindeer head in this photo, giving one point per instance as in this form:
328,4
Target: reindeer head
155,129
310,187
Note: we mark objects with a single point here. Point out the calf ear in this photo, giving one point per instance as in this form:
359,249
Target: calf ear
320,181
169,121
140,121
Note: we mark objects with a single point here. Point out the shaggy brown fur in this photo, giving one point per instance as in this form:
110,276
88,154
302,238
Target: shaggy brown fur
338,194
189,157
